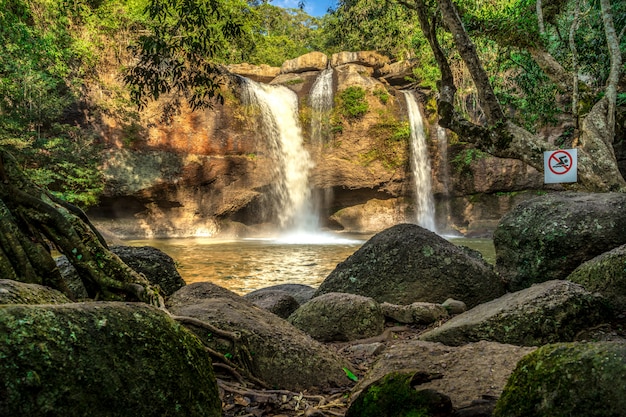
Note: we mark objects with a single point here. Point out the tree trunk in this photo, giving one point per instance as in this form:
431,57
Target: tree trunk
31,220
616,65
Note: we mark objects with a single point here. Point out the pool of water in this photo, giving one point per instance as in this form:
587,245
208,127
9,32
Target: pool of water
249,264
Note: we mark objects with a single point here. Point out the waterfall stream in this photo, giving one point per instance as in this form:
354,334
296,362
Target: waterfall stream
420,165
280,127
321,102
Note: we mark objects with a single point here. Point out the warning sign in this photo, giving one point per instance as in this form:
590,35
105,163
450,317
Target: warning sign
560,166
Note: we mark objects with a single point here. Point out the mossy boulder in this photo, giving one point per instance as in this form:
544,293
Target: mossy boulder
550,312
407,263
570,379
101,359
548,237
15,292
278,302
605,274
271,348
395,395
339,317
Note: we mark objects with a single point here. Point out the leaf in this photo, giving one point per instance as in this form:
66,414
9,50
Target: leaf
350,375
79,257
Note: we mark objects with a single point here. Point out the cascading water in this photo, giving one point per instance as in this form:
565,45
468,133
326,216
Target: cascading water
420,165
444,170
278,112
321,102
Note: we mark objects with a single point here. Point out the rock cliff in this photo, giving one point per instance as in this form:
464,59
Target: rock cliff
214,171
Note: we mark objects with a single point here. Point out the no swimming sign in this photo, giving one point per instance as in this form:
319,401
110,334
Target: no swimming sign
560,166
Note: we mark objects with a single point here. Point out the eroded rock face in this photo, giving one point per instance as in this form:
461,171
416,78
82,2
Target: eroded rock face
339,317
284,356
406,264
313,61
569,379
553,311
548,237
102,359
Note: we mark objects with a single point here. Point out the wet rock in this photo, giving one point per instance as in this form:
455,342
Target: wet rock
339,317
284,356
605,274
553,311
416,313
102,359
548,237
467,374
406,264
14,292
278,302
569,379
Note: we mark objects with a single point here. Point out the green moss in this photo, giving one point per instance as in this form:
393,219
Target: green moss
568,379
394,396
351,102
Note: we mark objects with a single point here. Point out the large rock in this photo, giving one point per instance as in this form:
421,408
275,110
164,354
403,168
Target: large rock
261,73
300,292
277,302
548,237
605,274
466,374
14,292
339,317
365,58
553,311
407,263
283,356
102,359
572,379
313,61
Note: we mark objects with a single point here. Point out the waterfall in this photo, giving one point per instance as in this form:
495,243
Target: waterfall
444,175
278,114
321,101
420,165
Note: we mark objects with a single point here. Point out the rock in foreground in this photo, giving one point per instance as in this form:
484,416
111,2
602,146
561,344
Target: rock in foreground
571,379
553,311
102,359
406,264
548,237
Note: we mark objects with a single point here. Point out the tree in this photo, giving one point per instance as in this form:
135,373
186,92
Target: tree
597,165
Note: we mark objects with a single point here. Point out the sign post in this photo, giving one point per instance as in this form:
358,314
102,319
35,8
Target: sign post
560,166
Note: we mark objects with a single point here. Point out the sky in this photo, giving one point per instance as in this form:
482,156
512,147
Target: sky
315,8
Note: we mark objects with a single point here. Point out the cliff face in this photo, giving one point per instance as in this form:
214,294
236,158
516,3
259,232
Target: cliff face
212,172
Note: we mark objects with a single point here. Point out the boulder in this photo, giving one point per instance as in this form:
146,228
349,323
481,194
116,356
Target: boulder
339,317
397,73
467,374
366,58
605,274
300,292
553,311
407,263
313,61
548,237
277,302
158,267
416,313
284,356
372,217
350,75
260,73
102,359
569,379
15,292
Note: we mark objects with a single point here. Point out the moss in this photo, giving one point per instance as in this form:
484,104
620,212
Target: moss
101,359
394,396
568,379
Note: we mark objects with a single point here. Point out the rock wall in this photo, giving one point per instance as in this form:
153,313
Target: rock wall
209,172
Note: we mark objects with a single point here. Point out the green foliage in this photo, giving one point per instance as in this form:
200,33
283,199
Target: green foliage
390,142
382,95
351,102
464,159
